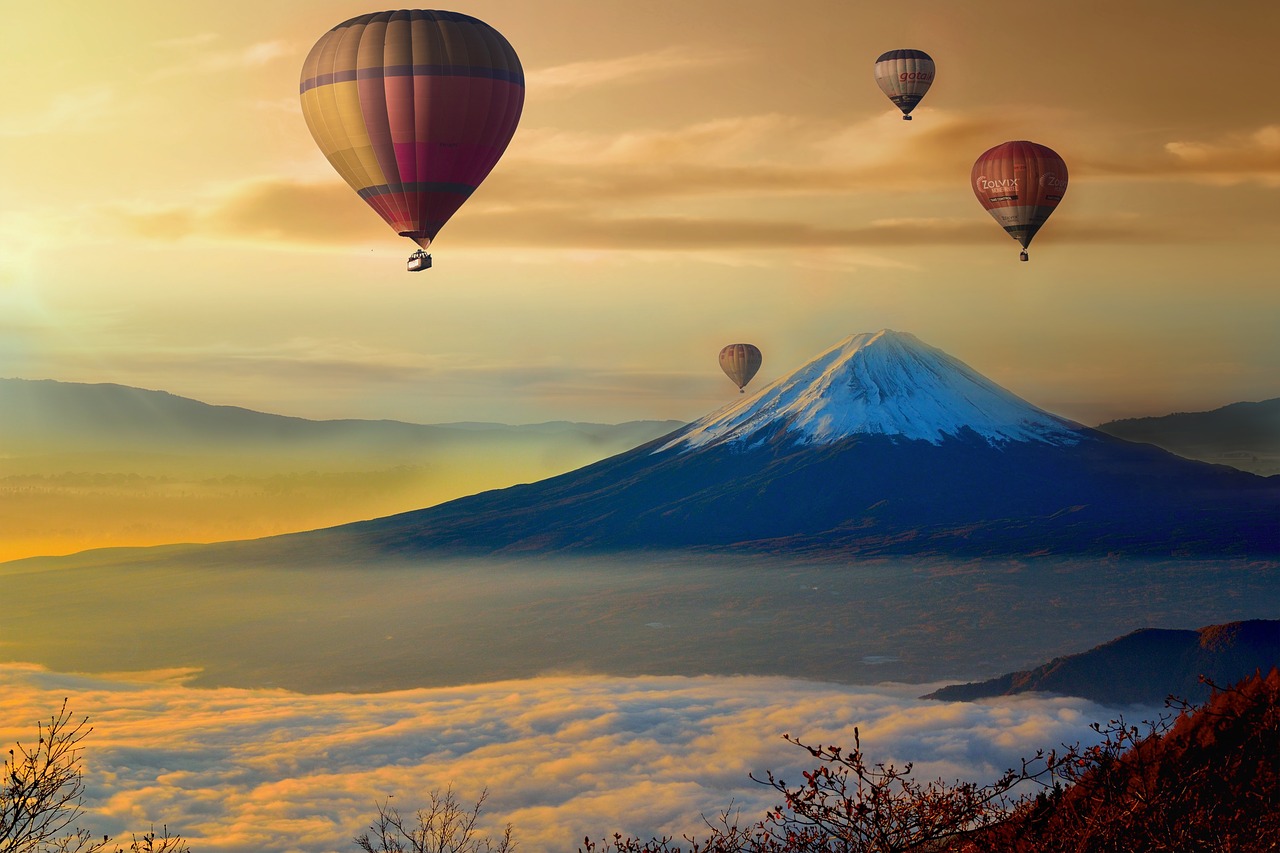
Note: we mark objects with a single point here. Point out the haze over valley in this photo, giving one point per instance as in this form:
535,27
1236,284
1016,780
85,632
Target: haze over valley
90,466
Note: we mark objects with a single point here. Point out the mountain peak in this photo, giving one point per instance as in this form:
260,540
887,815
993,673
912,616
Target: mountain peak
880,383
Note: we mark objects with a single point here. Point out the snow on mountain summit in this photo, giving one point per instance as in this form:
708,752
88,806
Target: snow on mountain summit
880,383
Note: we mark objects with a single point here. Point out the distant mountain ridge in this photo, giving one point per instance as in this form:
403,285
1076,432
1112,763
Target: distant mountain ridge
1244,435
827,461
38,413
86,466
1143,667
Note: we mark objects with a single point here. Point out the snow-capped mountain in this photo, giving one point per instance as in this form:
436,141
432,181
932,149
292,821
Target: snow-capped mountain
881,383
880,445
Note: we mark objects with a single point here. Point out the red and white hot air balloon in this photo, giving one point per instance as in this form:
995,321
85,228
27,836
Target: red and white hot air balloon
1020,184
740,363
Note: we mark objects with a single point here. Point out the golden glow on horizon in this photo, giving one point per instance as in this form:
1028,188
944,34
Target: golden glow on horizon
62,503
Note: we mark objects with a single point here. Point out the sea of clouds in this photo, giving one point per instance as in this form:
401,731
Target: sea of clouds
561,757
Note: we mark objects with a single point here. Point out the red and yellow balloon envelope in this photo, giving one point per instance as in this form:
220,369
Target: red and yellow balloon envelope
740,363
905,75
413,109
1020,184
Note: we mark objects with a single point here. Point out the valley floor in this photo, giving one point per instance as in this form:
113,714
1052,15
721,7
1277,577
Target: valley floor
376,626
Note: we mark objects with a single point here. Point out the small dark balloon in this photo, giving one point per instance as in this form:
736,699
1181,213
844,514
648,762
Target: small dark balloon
740,363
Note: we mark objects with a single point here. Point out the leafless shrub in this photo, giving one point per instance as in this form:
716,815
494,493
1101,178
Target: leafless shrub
42,797
446,826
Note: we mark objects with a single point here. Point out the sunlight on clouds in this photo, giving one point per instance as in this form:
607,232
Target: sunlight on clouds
560,80
268,210
291,360
250,56
686,233
79,110
1233,159
586,192
765,154
327,216
26,319
712,141
562,758
188,42
933,152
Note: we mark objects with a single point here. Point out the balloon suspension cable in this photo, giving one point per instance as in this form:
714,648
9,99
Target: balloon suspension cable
1022,256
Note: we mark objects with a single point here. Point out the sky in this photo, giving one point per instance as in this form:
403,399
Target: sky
562,758
686,174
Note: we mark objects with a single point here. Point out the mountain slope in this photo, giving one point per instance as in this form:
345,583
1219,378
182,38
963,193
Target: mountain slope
881,445
1143,667
1244,435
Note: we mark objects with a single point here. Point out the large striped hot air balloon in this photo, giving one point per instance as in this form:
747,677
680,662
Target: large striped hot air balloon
1020,184
905,75
413,109
740,363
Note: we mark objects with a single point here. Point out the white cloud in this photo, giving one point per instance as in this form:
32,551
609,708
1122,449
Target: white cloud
562,757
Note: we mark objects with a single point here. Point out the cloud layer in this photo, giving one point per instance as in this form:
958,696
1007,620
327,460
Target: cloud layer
723,183
562,758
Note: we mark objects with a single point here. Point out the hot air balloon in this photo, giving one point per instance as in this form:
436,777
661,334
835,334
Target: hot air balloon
740,363
904,75
413,109
1020,183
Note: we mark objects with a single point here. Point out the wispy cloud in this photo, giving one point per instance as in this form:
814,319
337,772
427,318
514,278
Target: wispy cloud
575,76
268,210
706,186
76,110
188,42
328,214
249,56
562,757
368,371
1236,157
739,138
570,229
1227,160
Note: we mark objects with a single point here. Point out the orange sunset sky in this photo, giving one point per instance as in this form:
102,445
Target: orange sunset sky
686,174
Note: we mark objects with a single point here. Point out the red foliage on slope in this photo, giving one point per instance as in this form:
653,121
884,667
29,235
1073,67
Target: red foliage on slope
1211,782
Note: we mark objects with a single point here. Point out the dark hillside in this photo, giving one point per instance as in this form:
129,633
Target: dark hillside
1243,435
1144,667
